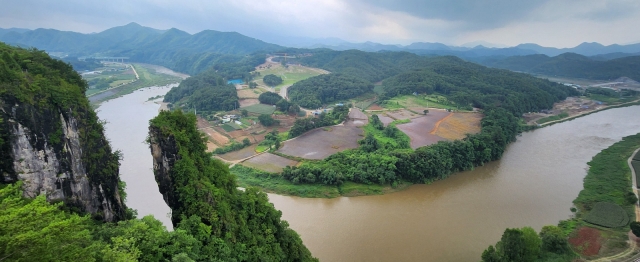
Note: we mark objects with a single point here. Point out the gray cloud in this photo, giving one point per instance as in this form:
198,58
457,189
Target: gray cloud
501,21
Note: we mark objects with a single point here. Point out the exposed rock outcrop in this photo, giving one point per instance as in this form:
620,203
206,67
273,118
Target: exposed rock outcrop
47,153
165,153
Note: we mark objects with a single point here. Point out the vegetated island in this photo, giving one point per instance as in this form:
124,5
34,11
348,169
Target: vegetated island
599,228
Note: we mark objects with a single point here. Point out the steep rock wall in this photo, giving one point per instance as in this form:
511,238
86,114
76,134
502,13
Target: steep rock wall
165,153
48,155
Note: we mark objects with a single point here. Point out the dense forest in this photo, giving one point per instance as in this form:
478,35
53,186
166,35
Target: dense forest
269,98
323,89
465,83
272,80
335,116
207,91
570,65
233,224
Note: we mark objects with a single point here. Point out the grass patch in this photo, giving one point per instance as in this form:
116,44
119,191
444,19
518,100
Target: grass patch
553,118
270,182
637,156
227,128
383,139
401,121
607,215
355,189
260,109
283,135
260,149
234,126
290,75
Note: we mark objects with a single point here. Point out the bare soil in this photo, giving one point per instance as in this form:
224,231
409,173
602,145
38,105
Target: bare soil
385,119
420,128
216,137
586,241
355,113
375,107
247,93
319,144
458,125
248,102
402,114
240,154
572,106
269,162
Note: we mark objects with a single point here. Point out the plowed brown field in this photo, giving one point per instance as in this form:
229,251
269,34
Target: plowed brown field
458,125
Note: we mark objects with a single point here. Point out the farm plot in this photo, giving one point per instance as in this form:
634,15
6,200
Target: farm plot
403,114
385,119
587,241
419,129
248,93
215,136
607,215
248,102
323,142
458,125
269,162
240,154
636,167
260,109
637,156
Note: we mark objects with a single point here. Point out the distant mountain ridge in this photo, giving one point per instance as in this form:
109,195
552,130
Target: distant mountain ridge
143,44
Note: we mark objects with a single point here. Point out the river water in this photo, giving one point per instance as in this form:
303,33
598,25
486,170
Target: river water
127,128
450,220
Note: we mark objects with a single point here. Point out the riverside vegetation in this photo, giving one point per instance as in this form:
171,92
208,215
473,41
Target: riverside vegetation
605,206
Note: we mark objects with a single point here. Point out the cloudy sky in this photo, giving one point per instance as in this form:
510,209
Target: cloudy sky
558,23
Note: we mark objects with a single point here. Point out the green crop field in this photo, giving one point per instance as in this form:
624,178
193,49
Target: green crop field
227,128
260,109
607,215
636,167
289,75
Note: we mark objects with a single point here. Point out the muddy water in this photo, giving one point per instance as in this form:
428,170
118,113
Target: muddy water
450,220
127,127
455,219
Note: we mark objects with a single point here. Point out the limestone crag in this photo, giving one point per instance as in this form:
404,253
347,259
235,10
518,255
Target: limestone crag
47,154
165,153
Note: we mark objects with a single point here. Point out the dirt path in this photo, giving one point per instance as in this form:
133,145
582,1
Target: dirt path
435,128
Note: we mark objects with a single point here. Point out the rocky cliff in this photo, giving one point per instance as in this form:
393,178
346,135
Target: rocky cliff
165,153
51,139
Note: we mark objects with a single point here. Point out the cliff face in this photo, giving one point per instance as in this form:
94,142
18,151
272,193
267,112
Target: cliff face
47,155
51,139
165,153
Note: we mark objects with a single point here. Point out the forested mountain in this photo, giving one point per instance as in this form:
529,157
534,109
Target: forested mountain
469,84
465,83
316,91
172,48
571,65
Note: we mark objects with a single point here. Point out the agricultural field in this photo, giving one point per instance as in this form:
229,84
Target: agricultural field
260,109
323,142
419,130
385,119
216,137
248,102
425,101
458,125
249,93
607,215
269,163
240,154
289,75
403,114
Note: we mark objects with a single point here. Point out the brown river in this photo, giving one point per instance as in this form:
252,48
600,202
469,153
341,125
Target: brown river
451,220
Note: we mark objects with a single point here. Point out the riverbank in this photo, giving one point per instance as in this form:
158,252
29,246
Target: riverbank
632,103
274,183
608,180
146,76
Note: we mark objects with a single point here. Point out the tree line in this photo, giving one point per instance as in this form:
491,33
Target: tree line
323,89
207,91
